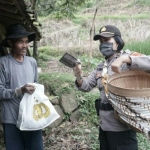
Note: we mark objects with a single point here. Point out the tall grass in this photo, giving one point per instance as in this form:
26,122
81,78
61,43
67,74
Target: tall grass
143,2
142,47
83,18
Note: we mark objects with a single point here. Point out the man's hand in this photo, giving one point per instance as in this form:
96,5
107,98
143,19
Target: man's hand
115,66
28,89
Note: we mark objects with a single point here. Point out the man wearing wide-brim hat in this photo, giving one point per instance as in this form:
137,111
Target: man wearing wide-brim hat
16,70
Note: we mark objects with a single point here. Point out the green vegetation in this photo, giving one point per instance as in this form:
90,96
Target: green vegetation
47,50
63,83
142,47
59,8
143,142
143,2
79,18
92,63
65,9
47,53
55,82
87,106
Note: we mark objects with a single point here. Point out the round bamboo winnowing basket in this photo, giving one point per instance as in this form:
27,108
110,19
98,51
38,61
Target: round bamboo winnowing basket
129,94
130,84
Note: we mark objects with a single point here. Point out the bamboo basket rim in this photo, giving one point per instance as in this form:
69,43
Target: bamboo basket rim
128,92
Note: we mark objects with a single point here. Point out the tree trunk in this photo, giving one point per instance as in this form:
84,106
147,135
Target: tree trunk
35,42
35,49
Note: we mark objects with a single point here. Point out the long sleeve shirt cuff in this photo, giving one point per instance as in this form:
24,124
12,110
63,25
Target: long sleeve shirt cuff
141,62
18,92
83,87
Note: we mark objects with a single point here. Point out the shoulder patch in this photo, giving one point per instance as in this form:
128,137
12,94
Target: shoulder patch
135,54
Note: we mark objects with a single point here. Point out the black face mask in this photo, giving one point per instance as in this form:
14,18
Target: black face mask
106,49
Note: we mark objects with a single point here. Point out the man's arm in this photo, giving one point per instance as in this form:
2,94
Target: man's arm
6,93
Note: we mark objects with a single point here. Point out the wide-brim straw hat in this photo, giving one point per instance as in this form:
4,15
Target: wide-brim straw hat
17,31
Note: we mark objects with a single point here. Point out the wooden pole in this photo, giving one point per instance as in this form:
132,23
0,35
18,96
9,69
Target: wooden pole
92,32
35,49
35,44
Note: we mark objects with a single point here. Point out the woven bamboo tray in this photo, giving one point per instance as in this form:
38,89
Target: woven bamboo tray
129,94
130,84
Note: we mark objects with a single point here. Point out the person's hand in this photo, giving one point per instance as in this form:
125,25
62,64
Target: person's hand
115,66
28,89
77,70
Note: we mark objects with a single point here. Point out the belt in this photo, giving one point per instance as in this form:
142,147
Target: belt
101,106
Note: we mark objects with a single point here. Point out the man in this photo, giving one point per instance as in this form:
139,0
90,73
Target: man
113,134
16,71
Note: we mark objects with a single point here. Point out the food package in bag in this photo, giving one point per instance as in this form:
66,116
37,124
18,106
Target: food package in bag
36,111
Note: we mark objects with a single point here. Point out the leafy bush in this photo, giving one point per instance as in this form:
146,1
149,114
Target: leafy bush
143,142
87,106
48,51
44,57
56,82
90,65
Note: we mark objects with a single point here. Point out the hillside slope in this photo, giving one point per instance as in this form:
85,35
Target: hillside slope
131,17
